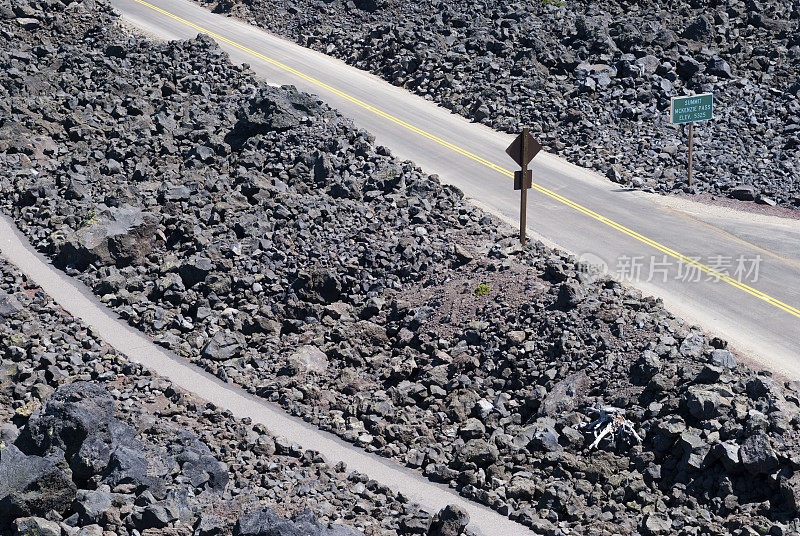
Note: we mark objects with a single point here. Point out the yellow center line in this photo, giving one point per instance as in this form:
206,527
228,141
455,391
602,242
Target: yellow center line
549,193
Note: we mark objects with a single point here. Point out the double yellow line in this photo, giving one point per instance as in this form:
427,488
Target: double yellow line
549,193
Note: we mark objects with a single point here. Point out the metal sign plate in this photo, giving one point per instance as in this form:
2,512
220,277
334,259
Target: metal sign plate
518,179
515,150
691,109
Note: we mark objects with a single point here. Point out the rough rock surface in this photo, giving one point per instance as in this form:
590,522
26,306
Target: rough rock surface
112,447
308,236
592,79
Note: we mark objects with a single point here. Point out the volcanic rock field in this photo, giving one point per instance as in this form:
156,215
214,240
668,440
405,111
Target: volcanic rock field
92,443
255,232
593,79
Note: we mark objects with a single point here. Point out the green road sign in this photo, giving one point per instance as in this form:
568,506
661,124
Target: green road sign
690,109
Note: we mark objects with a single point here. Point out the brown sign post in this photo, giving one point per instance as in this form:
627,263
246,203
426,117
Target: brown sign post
522,150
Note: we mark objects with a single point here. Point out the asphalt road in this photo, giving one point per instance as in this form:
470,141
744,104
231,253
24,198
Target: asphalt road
79,301
577,210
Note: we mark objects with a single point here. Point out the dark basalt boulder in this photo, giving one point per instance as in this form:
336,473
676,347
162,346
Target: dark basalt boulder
33,485
117,236
67,418
265,522
271,110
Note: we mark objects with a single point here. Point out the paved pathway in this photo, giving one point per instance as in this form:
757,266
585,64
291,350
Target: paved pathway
78,300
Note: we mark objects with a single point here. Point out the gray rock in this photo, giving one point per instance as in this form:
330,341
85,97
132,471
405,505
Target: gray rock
90,530
309,358
703,404
480,452
9,305
265,522
694,450
656,524
647,366
545,438
158,515
195,270
129,465
33,485
719,67
222,346
692,346
723,358
70,415
728,453
564,395
28,23
743,192
701,29
271,110
8,433
757,455
120,236
521,487
92,505
36,526
571,294
472,429
790,490
688,67
210,525
452,520
198,463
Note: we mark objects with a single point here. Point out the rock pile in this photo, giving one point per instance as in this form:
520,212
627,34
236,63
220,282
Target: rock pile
287,253
91,443
592,79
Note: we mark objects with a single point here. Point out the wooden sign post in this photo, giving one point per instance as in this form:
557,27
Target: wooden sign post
688,110
522,150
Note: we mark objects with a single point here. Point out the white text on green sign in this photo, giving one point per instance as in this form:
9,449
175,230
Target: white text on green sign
693,108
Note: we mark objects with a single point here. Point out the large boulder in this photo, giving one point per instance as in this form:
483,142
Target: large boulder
757,454
117,236
451,520
564,395
77,424
67,418
33,485
271,110
265,522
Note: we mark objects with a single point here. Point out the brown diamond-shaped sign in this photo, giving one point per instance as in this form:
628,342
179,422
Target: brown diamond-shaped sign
515,149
